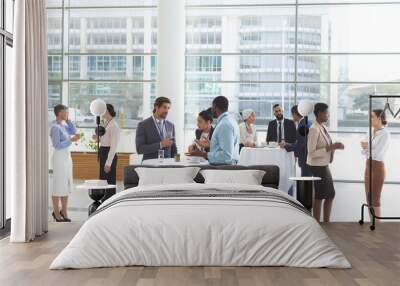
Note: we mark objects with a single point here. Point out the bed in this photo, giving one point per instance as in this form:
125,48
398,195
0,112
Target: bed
201,225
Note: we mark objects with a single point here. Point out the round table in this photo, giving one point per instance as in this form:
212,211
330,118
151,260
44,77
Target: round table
271,156
185,161
96,193
305,190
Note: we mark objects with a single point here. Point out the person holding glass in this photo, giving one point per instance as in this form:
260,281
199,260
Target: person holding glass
321,150
248,135
62,134
380,145
155,136
204,132
108,150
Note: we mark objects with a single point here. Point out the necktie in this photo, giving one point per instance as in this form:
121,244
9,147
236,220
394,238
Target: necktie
161,129
279,131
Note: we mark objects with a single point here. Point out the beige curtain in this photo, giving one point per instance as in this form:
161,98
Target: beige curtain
28,130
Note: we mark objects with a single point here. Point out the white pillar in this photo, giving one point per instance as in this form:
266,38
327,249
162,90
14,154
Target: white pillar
171,62
230,64
129,46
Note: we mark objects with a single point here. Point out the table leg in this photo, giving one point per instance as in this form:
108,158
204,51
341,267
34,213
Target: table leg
96,195
305,194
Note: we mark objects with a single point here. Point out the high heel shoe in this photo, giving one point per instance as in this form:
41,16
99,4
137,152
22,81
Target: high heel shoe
56,219
65,218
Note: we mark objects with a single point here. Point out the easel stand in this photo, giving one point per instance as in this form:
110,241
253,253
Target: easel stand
371,208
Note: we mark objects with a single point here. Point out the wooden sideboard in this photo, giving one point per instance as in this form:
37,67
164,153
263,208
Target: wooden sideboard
86,167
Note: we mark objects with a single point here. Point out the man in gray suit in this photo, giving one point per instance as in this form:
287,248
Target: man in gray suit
156,133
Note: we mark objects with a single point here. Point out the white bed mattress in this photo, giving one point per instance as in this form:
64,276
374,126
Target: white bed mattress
200,231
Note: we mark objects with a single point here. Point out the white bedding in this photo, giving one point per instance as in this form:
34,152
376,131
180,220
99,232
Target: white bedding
191,231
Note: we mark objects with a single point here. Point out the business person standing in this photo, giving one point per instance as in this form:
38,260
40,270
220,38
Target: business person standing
108,150
281,129
299,146
321,150
62,133
380,145
156,132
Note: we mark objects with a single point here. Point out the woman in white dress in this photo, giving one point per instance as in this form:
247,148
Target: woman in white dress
62,134
248,134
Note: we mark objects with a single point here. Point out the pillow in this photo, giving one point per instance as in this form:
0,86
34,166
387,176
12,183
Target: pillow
166,176
248,177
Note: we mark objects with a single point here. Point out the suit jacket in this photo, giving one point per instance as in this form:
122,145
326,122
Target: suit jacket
289,131
299,147
148,139
198,135
316,147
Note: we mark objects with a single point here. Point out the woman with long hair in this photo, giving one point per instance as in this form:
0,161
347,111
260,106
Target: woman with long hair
380,145
108,150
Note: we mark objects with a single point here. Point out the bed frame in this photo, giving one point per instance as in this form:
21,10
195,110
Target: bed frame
270,179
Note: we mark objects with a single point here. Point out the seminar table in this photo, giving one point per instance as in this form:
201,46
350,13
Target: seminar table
271,156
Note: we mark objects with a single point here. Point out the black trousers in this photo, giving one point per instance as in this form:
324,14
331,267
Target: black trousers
111,177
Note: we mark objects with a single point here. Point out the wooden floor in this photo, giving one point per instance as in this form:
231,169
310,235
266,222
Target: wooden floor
375,257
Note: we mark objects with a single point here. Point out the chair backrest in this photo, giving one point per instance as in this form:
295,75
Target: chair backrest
270,179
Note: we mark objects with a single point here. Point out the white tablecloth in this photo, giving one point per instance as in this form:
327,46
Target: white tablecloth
185,161
271,156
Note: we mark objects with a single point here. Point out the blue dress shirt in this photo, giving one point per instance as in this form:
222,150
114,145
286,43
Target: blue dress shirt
224,145
60,134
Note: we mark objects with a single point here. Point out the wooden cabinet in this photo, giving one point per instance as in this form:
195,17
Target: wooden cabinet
85,165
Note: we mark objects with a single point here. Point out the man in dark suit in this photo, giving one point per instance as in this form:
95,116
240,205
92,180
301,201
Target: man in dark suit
300,146
281,129
156,133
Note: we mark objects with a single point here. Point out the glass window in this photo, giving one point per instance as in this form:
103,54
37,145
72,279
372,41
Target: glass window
349,28
348,102
259,97
237,2
113,3
349,68
54,63
54,94
254,68
54,30
106,50
127,99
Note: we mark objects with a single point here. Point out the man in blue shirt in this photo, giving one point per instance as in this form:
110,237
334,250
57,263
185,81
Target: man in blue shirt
224,145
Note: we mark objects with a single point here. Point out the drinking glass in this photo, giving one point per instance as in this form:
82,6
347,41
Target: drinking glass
161,155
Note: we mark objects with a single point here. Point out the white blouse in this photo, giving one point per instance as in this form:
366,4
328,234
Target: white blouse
247,137
380,145
111,139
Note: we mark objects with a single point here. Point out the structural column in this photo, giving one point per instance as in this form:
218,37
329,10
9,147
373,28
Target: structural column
230,64
171,62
